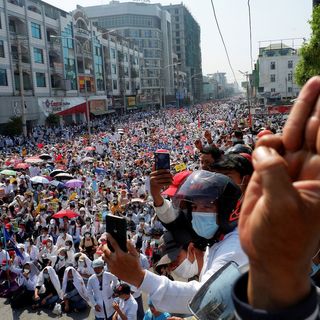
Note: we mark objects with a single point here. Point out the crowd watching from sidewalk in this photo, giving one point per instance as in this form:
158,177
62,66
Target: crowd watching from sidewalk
239,189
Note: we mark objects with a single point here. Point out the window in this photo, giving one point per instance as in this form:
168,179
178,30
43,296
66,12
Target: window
290,89
178,48
273,90
114,69
177,18
127,85
290,64
115,84
125,57
176,11
1,49
35,30
38,55
41,80
177,26
273,78
12,26
177,41
113,53
272,65
290,76
178,34
3,78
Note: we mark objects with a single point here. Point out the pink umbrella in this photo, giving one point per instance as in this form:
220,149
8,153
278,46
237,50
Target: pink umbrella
74,183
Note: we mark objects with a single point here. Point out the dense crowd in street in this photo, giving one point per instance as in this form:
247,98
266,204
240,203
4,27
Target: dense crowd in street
58,186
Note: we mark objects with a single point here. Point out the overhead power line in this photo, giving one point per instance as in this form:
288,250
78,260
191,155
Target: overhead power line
250,28
223,42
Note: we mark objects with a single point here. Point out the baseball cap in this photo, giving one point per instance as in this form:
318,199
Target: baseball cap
178,180
97,263
170,250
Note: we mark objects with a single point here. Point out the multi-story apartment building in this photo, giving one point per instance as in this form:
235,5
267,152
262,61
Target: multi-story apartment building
186,44
276,65
64,60
149,25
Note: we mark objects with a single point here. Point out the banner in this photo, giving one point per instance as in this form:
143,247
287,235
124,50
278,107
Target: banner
180,167
56,105
131,102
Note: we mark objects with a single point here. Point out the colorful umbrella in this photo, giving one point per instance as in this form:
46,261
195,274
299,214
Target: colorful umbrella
74,183
7,172
87,159
40,180
90,148
33,160
55,172
22,166
45,156
63,176
65,213
57,184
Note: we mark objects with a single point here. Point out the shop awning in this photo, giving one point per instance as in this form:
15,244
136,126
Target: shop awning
99,112
81,108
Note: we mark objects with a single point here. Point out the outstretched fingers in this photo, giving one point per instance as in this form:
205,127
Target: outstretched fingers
294,132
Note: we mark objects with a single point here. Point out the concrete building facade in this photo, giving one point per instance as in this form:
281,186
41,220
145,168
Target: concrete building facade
186,35
150,27
63,59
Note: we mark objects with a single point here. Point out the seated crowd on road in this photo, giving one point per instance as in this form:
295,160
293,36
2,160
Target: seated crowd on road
58,186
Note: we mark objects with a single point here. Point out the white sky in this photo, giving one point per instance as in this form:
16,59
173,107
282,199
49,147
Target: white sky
271,20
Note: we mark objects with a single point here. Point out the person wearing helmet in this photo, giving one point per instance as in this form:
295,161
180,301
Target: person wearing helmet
207,202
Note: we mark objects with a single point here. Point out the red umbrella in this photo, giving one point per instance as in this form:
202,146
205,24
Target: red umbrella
22,165
90,148
65,213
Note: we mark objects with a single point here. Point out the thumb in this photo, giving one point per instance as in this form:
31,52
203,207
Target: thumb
273,172
131,249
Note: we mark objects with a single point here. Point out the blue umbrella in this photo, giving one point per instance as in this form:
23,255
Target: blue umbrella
100,171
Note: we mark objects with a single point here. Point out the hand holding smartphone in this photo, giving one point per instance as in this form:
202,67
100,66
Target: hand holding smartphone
117,228
162,160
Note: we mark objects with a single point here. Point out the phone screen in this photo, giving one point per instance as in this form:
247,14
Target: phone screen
117,227
162,160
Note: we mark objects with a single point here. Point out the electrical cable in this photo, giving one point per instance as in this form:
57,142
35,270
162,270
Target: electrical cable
223,42
250,27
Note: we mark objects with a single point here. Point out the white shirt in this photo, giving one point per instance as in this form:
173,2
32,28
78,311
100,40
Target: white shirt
61,242
129,308
104,296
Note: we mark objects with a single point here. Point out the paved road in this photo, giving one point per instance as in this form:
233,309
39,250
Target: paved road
6,313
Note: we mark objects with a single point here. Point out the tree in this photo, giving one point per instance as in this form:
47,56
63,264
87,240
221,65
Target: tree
309,64
52,120
13,127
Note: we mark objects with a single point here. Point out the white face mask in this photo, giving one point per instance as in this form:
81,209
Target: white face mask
187,269
61,257
99,274
81,264
68,247
27,244
26,271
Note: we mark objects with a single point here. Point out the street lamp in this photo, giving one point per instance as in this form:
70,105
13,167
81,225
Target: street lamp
82,46
193,77
163,99
246,74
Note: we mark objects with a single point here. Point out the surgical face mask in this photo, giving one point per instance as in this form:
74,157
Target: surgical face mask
27,244
99,274
46,276
62,234
81,264
61,257
26,271
315,269
187,269
87,236
68,247
88,223
205,224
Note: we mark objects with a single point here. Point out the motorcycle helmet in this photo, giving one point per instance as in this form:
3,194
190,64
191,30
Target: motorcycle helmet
239,148
211,188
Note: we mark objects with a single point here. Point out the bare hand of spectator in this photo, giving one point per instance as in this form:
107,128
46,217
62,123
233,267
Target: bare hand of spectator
124,265
208,136
159,180
198,144
279,222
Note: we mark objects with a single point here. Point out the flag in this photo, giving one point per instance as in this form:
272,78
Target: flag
8,238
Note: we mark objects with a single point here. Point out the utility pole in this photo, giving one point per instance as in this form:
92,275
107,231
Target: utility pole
23,103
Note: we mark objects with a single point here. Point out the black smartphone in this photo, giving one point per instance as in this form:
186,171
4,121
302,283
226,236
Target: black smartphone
162,160
117,227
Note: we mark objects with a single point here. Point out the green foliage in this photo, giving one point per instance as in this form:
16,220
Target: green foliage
52,120
309,64
13,127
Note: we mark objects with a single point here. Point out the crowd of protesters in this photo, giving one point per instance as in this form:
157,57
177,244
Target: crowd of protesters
58,186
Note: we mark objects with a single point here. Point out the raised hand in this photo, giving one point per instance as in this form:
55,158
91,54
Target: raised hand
280,218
